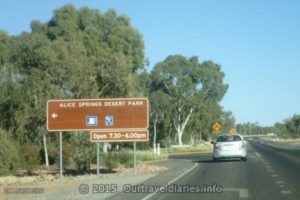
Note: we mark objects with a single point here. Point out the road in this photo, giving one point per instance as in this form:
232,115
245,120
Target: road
269,173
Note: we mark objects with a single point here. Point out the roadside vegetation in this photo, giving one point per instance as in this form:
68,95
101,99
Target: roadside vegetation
289,128
85,53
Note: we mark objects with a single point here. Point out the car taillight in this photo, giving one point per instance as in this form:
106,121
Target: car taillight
242,144
217,146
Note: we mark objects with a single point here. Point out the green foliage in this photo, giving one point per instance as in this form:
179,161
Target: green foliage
124,157
149,155
227,121
254,129
111,160
9,154
68,154
78,53
31,156
53,153
84,152
290,127
184,95
196,148
293,126
115,159
83,53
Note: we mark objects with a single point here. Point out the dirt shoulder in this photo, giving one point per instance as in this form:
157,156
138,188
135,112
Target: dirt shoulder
52,187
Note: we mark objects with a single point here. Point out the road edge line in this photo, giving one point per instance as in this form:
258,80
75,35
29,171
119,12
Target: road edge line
172,181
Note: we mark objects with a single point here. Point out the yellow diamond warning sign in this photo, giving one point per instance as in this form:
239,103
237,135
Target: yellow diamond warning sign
217,127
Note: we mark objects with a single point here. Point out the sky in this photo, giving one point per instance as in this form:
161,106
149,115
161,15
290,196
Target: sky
256,42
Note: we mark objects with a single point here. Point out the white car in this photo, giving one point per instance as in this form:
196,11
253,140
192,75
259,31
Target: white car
229,146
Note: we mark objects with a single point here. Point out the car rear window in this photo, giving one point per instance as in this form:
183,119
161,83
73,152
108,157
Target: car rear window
229,138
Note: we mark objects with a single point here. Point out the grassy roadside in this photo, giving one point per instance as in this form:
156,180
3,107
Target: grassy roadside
205,147
124,157
281,139
113,160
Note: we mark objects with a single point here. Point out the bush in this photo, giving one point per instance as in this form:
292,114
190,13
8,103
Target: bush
111,160
149,155
204,147
53,153
31,155
68,155
115,159
124,156
9,155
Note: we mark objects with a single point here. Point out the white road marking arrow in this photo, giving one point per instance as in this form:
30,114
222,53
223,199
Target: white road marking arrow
54,115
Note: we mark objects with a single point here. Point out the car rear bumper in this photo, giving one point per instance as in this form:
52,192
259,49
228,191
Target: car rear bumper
229,154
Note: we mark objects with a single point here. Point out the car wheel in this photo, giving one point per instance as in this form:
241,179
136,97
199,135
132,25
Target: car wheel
214,159
244,158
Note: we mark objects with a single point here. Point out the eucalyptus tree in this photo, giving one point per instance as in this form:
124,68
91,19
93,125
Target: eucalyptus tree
78,53
190,85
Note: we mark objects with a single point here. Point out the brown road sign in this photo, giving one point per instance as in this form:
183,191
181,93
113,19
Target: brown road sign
97,114
120,136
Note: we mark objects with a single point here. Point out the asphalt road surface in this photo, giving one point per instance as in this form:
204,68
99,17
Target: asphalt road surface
270,173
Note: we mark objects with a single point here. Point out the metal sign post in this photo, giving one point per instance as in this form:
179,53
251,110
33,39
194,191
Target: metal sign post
98,161
117,119
60,155
134,158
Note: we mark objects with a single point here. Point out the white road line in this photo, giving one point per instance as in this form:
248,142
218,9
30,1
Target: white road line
172,181
286,192
279,182
243,193
274,175
257,154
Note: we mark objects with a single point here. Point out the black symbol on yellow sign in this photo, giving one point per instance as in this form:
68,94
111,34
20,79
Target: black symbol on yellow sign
217,127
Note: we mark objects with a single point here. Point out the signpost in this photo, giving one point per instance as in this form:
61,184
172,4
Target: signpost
97,114
60,155
110,120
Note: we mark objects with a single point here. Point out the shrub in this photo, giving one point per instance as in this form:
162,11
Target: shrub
68,155
9,157
31,155
111,160
124,156
149,155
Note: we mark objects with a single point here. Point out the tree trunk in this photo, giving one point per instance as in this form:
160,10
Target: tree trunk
169,140
154,137
181,126
105,147
192,139
180,137
45,150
